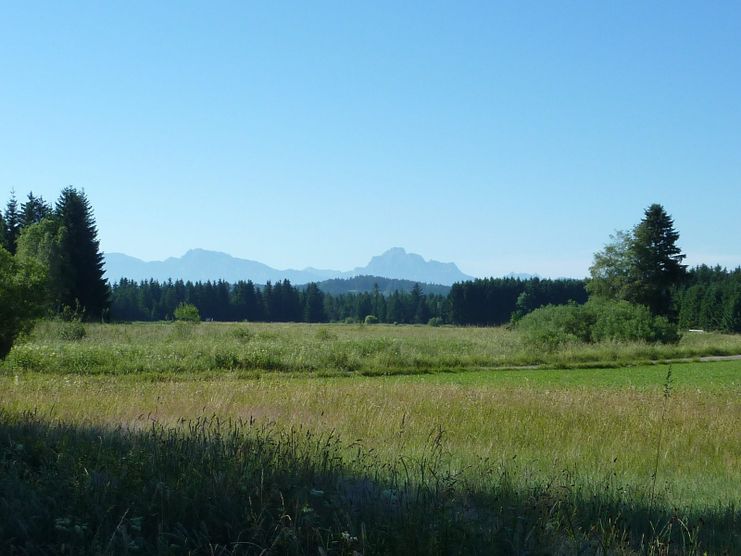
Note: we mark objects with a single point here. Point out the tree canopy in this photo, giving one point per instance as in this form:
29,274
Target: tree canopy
22,285
43,242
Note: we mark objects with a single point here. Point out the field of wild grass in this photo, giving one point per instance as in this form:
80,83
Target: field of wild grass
173,348
107,447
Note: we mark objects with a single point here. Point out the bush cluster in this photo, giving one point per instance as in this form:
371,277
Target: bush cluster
597,320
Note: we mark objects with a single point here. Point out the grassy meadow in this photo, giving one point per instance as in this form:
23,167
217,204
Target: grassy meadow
323,349
336,439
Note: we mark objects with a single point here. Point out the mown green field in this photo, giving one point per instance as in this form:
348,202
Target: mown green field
197,457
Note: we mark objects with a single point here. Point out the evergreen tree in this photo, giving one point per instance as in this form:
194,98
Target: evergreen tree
267,303
244,299
83,281
420,313
253,302
656,263
277,306
732,311
169,300
363,306
12,224
33,211
314,304
394,308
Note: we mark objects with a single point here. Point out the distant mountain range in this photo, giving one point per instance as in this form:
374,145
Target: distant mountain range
202,265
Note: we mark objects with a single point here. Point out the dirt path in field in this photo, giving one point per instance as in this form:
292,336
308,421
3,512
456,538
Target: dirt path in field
703,359
719,358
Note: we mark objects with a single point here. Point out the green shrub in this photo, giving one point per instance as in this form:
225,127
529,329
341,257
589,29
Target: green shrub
553,326
71,331
597,320
371,319
435,321
243,334
187,312
665,331
624,321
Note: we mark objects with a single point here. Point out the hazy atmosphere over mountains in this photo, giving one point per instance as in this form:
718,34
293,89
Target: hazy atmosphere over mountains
200,264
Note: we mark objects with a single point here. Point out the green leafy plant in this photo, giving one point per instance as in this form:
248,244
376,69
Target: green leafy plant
187,312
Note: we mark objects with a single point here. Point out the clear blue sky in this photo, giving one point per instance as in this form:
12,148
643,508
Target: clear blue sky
504,136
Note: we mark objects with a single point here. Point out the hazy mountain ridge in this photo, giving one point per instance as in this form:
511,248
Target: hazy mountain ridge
202,265
397,263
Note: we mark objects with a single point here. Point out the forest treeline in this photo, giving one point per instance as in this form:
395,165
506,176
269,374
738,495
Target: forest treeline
710,299
494,301
280,302
478,302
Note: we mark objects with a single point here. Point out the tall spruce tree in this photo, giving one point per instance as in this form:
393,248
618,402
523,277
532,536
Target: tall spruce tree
656,261
12,224
314,304
34,210
84,281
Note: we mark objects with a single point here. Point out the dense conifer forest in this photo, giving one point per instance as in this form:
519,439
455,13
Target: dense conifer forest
478,302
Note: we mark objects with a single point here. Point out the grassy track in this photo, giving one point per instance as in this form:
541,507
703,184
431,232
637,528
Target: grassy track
456,462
